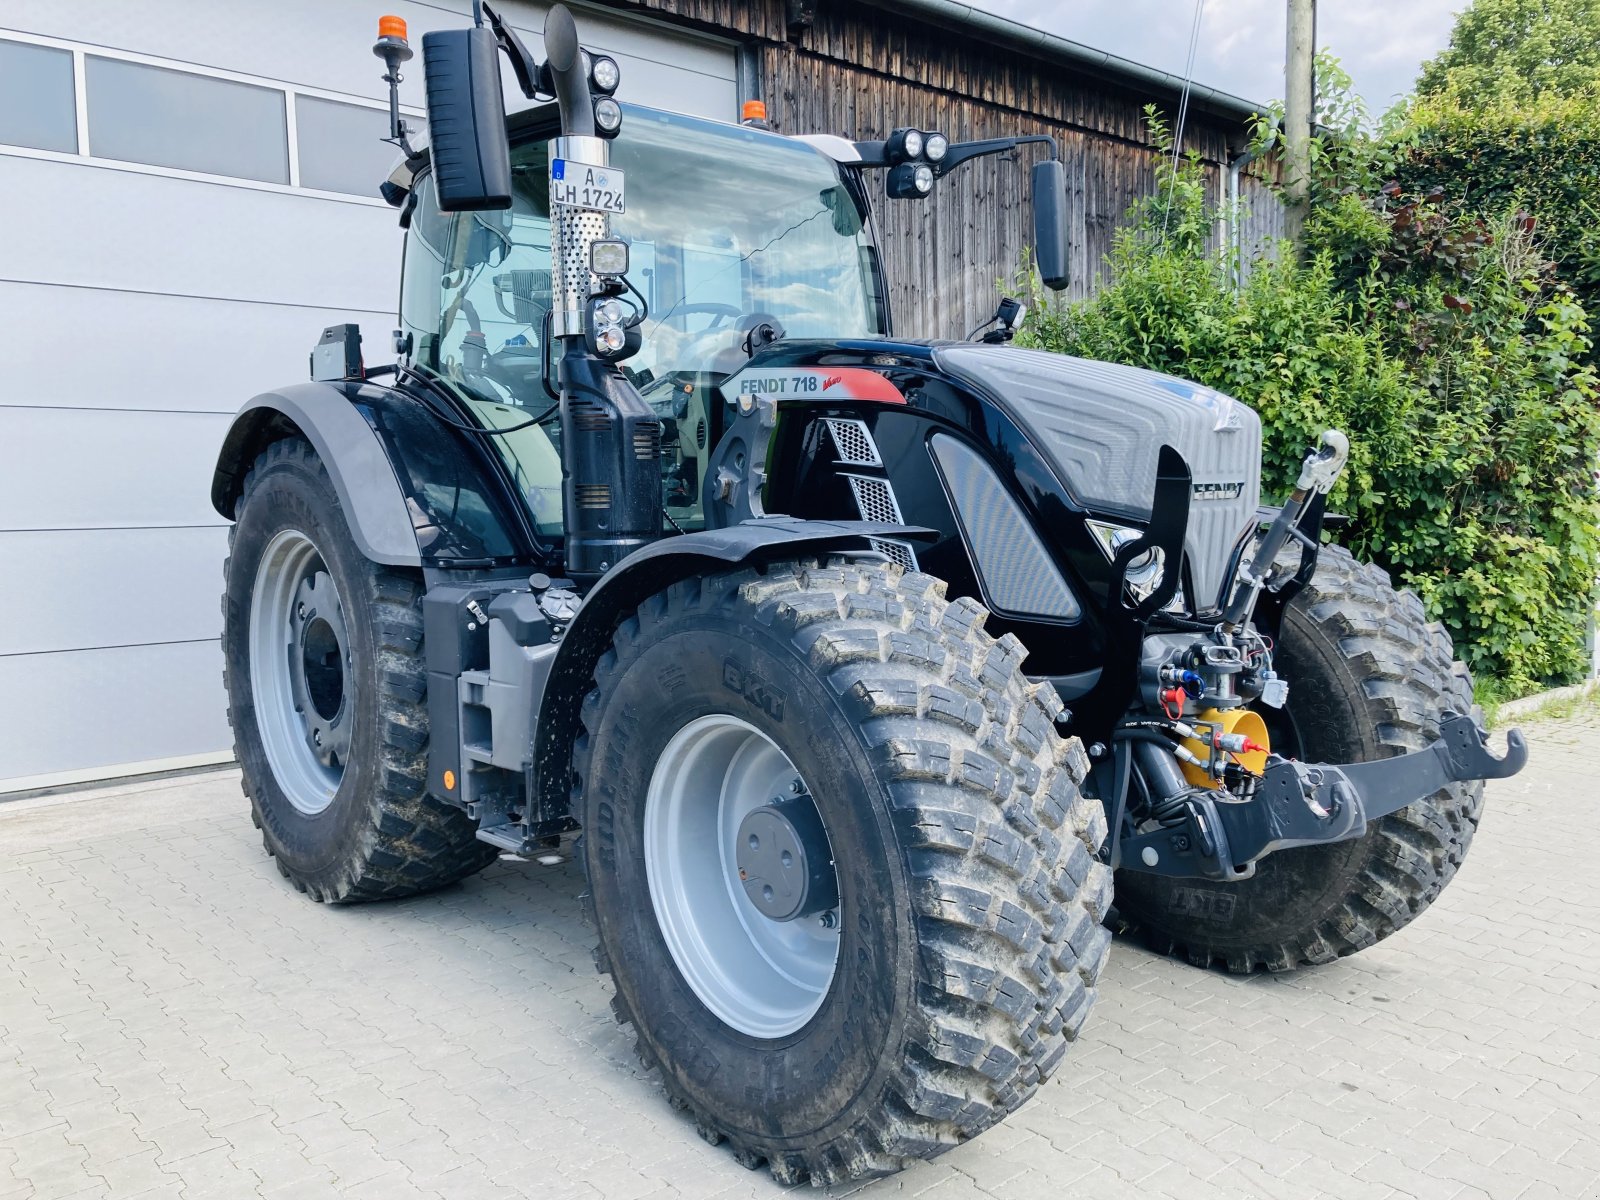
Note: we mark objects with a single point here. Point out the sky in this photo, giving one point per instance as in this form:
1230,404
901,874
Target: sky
1382,43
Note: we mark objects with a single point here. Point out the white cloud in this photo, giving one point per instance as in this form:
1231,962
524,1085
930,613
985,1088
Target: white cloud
1381,43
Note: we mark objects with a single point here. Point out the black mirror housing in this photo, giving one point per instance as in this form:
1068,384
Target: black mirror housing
1050,222
466,120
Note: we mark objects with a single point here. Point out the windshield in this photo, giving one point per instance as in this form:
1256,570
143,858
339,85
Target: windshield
727,227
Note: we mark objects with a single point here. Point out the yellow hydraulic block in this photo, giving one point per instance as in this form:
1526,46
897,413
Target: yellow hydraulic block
1232,720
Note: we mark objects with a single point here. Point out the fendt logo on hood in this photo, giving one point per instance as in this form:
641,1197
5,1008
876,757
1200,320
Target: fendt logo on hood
1218,491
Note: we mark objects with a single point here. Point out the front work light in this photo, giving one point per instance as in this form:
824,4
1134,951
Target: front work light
935,147
607,116
608,258
909,181
604,74
903,145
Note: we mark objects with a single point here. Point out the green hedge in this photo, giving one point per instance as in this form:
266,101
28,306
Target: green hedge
1543,158
1446,349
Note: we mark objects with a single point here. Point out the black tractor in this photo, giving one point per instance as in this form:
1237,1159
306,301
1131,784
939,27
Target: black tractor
872,680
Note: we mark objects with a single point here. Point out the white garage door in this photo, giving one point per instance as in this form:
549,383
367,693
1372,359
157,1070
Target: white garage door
179,220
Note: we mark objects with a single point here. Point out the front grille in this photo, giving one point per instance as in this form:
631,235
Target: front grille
853,442
900,552
875,499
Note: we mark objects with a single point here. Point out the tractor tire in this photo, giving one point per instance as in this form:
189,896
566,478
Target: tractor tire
963,952
332,735
1369,677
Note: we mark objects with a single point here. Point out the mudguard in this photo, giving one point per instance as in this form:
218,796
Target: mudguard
357,463
645,572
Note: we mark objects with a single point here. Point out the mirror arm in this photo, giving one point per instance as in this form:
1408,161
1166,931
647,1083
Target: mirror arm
522,63
875,154
961,152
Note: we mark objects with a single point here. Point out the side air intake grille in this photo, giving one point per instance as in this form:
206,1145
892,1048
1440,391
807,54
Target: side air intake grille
647,443
852,442
1016,569
900,552
590,418
875,499
593,495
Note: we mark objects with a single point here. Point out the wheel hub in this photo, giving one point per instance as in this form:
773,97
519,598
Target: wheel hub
717,784
784,860
317,667
300,682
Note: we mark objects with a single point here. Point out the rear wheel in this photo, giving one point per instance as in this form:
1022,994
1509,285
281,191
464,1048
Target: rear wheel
1369,677
322,660
841,870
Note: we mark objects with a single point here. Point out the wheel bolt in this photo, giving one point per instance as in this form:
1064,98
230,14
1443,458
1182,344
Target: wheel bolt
827,920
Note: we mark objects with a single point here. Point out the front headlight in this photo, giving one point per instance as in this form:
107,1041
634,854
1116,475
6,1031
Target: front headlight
1145,572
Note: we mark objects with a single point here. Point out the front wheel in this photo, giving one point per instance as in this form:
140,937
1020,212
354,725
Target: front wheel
841,870
1369,677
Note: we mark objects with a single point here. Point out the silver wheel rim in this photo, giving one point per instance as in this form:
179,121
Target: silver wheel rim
762,977
300,672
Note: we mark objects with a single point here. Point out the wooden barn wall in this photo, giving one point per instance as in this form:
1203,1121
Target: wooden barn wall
945,256
763,20
861,71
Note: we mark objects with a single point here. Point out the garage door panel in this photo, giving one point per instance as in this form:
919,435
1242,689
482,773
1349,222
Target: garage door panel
109,708
77,469
165,352
328,45
124,230
93,588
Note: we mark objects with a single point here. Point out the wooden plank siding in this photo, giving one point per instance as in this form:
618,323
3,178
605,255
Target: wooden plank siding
860,71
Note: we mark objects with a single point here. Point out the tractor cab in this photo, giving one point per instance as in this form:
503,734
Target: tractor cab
736,237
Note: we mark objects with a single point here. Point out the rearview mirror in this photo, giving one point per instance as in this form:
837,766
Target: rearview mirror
1050,222
466,120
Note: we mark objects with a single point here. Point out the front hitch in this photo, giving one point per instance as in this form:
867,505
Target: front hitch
1311,804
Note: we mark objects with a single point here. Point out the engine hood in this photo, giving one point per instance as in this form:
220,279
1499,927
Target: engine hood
1103,425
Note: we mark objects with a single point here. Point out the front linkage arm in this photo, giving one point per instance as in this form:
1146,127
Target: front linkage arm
1307,804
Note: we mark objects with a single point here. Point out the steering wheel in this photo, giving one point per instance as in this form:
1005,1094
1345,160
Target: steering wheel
721,312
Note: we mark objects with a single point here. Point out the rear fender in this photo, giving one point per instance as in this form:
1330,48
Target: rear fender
357,463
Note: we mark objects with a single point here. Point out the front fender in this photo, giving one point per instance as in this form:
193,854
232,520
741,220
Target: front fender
357,464
642,574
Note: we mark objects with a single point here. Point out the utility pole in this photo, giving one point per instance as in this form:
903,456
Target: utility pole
1297,112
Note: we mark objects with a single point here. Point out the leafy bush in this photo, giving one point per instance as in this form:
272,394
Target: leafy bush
1442,344
1541,155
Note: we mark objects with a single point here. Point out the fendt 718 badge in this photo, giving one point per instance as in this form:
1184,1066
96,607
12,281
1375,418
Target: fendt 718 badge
870,678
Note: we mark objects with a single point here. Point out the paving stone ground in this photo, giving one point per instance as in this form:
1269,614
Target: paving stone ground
176,1021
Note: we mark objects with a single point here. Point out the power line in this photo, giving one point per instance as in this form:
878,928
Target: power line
1183,109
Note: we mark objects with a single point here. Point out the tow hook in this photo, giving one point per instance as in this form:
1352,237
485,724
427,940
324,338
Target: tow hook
1309,804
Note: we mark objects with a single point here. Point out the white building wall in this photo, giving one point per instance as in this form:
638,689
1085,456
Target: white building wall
141,307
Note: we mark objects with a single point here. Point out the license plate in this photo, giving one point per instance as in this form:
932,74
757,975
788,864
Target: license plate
579,185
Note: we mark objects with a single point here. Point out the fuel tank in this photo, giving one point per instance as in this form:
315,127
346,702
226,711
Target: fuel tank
1103,425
